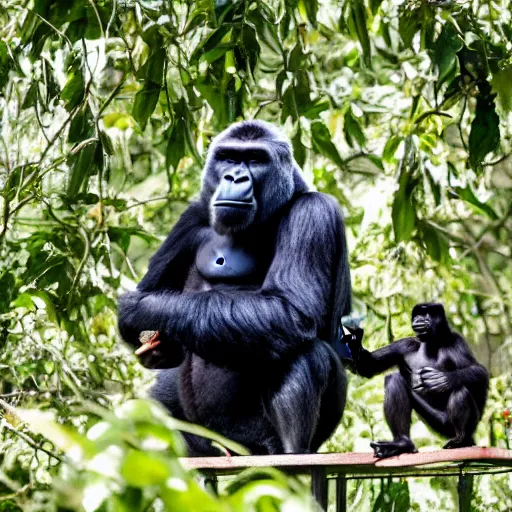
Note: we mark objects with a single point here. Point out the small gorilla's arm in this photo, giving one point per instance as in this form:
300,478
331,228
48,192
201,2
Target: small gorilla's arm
369,363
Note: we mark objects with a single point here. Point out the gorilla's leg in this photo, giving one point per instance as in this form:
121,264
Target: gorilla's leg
398,410
307,404
332,403
463,415
166,392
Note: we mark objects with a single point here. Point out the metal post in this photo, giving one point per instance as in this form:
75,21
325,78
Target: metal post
341,493
465,490
319,487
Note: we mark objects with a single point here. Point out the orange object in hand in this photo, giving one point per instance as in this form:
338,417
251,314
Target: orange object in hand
149,340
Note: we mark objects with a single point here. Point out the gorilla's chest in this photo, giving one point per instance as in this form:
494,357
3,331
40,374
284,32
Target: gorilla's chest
222,259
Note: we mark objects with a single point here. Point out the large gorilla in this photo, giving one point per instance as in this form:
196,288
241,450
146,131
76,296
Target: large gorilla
246,295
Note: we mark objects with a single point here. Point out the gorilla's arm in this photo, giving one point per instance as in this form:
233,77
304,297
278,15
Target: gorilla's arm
237,328
369,363
470,372
168,270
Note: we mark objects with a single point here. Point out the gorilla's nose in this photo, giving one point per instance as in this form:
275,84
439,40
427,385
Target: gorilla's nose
236,185
238,175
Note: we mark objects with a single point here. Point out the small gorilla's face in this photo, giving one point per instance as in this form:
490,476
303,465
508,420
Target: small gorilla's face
427,320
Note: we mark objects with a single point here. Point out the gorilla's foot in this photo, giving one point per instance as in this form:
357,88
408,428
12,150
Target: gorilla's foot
385,449
457,442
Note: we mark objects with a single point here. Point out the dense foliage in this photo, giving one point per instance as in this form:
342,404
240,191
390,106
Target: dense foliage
400,109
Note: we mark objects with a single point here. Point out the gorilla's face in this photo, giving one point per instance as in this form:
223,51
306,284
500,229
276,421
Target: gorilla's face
429,321
248,177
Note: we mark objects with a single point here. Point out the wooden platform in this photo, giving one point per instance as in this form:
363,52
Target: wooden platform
461,462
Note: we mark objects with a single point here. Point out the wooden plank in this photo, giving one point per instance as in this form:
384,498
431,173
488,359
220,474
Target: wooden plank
353,463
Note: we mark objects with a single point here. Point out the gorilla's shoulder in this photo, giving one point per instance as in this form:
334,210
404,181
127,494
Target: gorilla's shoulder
317,207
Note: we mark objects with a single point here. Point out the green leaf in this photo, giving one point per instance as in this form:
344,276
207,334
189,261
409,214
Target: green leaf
31,96
314,109
467,194
308,10
141,469
299,151
216,53
390,148
403,212
484,136
267,34
374,6
297,58
7,282
153,68
145,103
289,106
210,43
81,126
409,23
74,90
82,168
436,243
353,130
393,497
323,144
445,56
176,145
64,438
434,187
46,300
502,84
359,21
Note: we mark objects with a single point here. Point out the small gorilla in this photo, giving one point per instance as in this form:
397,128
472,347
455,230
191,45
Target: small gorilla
244,299
438,377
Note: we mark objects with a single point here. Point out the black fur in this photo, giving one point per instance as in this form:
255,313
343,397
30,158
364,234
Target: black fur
438,377
251,361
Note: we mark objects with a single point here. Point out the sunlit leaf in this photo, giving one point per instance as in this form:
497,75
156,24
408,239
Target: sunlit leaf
141,469
323,144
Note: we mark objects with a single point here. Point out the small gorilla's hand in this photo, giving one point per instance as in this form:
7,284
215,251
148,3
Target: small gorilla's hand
431,379
354,339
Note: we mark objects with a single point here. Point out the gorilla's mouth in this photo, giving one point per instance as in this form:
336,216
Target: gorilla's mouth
234,204
421,328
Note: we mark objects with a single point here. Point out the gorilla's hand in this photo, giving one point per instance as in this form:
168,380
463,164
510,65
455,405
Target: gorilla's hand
354,339
431,379
153,350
